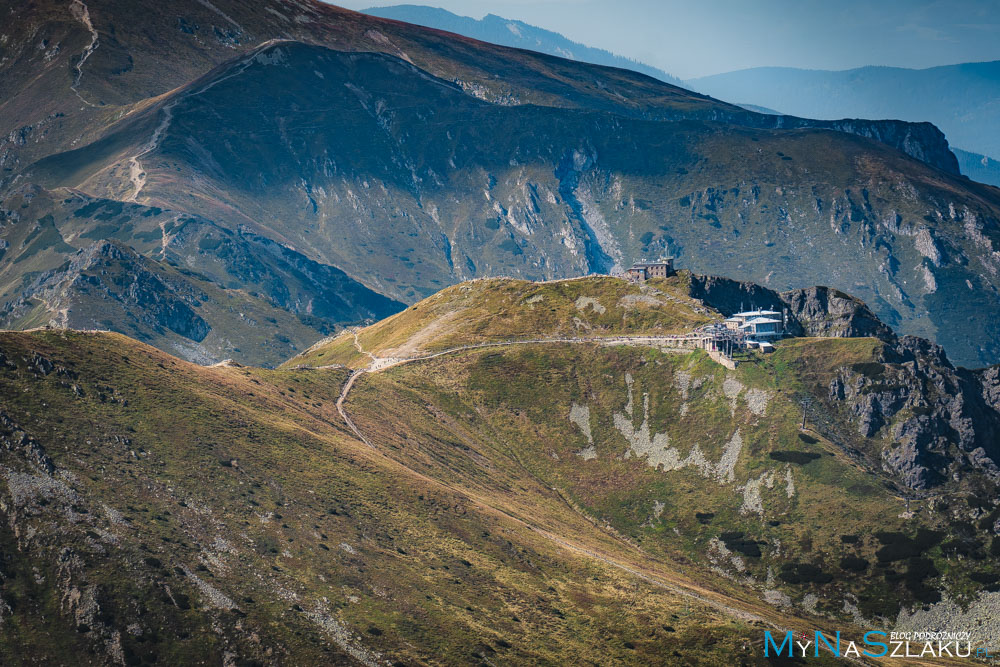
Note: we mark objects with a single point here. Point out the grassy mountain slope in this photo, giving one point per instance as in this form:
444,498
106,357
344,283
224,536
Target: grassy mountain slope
198,513
909,411
74,68
526,504
498,309
697,466
88,68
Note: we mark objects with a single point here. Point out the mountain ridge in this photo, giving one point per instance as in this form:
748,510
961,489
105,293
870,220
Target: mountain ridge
552,81
560,179
956,98
508,32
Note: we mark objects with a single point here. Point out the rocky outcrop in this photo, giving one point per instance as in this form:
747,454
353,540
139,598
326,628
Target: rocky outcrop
812,311
731,296
824,311
112,272
934,419
921,141
989,380
15,439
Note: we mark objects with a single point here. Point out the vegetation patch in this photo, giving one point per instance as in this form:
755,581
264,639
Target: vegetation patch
898,546
804,573
798,458
738,542
854,564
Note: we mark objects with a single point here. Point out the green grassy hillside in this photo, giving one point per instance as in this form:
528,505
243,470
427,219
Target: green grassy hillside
703,467
158,510
540,503
501,309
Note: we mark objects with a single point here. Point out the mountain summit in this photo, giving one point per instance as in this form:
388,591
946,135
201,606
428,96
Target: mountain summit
242,142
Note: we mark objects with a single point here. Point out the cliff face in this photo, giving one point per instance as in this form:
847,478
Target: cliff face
933,420
822,311
812,311
921,141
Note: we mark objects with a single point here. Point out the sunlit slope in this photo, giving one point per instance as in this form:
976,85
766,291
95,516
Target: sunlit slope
161,511
705,468
502,309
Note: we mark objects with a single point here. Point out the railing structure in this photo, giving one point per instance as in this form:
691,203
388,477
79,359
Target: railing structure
720,342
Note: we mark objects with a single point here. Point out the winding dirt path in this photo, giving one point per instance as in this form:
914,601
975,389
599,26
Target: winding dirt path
379,364
137,174
683,589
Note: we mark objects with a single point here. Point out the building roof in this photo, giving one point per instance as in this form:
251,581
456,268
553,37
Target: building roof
643,265
750,313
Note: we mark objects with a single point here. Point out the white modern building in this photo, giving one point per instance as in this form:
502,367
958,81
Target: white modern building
760,324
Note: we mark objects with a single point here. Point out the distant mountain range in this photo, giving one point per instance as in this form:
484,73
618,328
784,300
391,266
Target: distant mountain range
978,167
963,100
508,32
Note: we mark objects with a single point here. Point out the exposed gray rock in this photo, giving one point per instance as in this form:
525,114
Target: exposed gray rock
812,311
13,438
934,417
117,274
823,311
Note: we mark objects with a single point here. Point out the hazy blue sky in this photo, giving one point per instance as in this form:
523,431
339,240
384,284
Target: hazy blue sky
699,37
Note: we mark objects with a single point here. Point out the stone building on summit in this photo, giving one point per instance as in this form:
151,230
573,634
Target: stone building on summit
642,271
